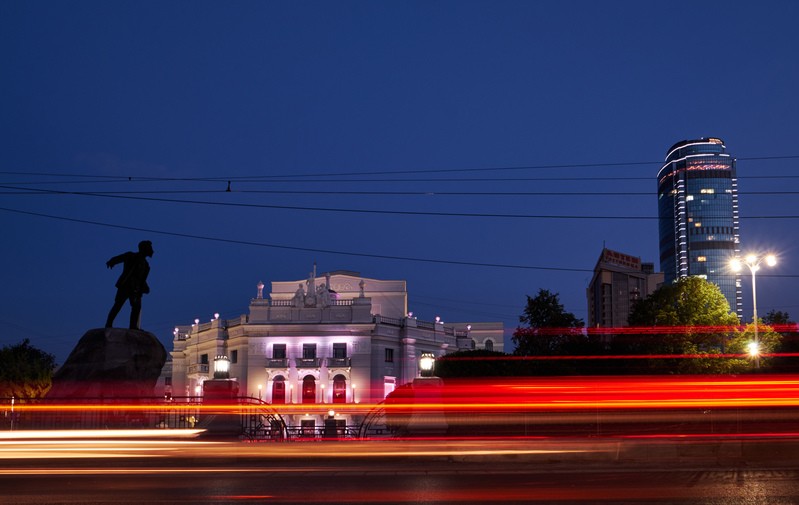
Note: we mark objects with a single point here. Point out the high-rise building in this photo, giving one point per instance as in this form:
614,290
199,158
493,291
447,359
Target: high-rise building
698,215
619,280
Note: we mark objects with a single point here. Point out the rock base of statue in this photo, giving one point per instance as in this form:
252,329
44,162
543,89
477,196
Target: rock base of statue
110,364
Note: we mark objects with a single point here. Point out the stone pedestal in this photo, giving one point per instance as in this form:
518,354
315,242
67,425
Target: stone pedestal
427,417
114,364
223,423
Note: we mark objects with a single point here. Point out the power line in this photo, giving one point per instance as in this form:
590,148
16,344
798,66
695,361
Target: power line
392,172
376,211
315,250
294,248
349,181
33,191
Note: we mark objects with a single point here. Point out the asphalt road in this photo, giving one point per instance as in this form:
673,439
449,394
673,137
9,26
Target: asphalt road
569,471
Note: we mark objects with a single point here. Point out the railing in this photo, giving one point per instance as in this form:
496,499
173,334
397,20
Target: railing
256,418
338,362
321,432
199,368
389,320
177,413
290,303
307,362
277,363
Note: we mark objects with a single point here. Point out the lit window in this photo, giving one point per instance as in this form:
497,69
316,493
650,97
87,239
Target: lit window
689,198
698,225
701,259
707,191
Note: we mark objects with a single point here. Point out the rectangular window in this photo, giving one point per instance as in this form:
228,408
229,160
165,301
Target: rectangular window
339,350
234,356
308,351
389,355
279,351
204,359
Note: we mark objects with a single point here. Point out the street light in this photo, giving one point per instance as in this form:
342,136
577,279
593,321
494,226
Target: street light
426,363
753,261
221,367
754,349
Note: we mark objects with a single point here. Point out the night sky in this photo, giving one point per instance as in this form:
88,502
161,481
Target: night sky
479,150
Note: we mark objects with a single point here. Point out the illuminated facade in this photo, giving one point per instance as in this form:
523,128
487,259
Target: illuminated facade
698,215
619,280
340,339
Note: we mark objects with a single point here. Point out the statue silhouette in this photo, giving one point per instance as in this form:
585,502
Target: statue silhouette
132,284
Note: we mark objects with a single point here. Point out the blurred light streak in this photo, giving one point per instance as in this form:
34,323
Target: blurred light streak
194,451
530,393
651,330
97,434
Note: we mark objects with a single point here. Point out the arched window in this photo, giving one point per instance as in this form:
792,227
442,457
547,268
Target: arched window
279,390
309,389
489,345
339,389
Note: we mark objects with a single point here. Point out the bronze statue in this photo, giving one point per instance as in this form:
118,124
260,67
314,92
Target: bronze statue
132,284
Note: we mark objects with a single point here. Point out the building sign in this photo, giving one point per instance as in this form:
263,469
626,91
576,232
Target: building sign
623,260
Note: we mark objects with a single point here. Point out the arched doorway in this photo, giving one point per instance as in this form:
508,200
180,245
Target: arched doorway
339,389
308,389
279,390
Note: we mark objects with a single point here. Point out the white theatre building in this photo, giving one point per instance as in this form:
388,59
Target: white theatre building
339,338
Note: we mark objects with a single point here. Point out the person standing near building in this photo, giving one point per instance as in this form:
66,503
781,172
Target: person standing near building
132,283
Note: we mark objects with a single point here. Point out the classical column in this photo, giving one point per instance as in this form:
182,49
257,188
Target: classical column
409,367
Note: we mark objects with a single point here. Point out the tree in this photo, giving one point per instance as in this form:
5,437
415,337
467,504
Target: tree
25,371
777,317
550,331
702,325
781,323
478,363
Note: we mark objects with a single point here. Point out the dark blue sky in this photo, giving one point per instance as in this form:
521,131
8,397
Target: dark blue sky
285,98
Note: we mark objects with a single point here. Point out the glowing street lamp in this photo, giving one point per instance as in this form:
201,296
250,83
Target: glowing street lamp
427,361
754,349
221,367
753,261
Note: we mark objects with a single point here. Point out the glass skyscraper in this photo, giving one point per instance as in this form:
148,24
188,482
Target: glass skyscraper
698,215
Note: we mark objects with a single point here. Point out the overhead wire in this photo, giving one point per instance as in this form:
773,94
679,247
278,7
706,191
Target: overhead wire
374,211
388,172
293,248
312,249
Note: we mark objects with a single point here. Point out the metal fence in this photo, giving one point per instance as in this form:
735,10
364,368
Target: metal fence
257,421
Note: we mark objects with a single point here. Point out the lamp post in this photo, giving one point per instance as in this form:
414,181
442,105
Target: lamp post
753,261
